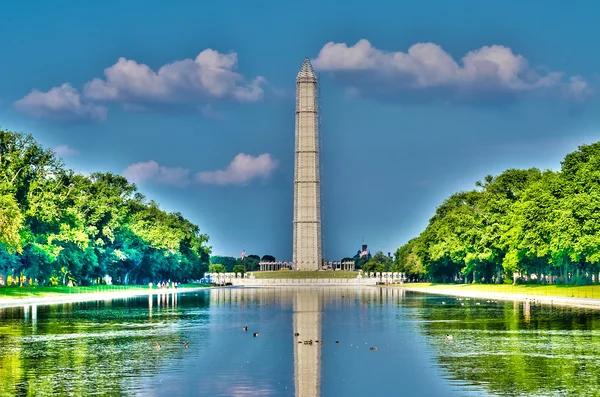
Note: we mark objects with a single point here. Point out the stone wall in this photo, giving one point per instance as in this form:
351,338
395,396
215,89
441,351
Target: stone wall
248,279
301,281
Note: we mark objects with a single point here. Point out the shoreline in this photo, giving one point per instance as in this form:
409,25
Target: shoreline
585,303
91,296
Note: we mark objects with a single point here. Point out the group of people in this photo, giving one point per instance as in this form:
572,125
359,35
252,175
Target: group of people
168,284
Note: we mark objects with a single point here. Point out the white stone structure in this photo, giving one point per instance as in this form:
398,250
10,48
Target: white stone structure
307,192
362,279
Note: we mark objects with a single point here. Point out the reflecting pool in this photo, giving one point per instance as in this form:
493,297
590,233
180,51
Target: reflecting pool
337,341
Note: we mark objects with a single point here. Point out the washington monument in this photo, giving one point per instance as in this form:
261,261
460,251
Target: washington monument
307,189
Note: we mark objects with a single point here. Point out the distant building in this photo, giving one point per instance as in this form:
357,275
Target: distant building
363,253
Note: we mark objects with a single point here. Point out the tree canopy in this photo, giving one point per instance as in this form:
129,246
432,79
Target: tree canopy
522,225
57,226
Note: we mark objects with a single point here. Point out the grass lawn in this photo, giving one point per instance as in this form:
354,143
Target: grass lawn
300,274
30,292
584,291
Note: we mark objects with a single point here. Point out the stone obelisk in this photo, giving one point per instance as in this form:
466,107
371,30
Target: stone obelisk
307,192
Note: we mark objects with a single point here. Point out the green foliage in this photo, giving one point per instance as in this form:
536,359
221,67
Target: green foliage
251,263
11,220
378,263
239,269
57,226
228,261
268,258
522,226
216,268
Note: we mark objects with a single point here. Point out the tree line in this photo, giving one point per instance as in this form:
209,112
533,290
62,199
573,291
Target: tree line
222,264
228,264
520,226
61,227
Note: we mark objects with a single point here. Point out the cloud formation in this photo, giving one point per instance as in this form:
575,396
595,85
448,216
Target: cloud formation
151,171
427,70
211,75
65,150
60,103
242,169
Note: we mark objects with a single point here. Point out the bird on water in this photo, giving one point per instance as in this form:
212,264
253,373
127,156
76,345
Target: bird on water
245,328
186,345
255,334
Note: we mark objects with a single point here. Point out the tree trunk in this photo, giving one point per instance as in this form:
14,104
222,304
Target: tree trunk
126,278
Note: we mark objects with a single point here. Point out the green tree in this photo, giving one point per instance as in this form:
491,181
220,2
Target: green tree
378,263
251,262
239,269
56,224
228,261
11,221
521,225
216,268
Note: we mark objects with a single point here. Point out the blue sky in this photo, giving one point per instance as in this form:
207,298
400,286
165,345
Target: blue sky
418,101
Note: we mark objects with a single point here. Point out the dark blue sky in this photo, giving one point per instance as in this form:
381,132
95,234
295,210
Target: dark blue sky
194,101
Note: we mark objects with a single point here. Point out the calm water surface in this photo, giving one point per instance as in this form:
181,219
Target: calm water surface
108,348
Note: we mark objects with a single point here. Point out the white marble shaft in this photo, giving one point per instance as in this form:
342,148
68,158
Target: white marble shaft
307,214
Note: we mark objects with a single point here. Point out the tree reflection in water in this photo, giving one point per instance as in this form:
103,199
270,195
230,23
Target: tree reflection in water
108,347
514,348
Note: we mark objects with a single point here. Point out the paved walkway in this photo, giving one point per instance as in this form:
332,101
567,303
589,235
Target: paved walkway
552,300
92,296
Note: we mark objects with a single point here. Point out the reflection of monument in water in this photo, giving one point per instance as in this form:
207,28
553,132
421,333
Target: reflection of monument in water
307,304
307,357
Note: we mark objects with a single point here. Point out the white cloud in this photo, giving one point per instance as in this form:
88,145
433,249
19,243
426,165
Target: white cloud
578,87
65,150
211,75
426,67
152,171
60,103
242,169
